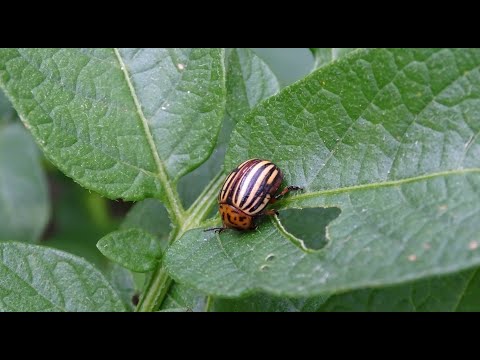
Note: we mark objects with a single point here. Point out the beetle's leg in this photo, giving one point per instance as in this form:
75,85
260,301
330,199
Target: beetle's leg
270,212
218,230
284,191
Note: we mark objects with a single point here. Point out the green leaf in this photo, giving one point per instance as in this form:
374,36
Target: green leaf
134,249
151,216
127,123
36,278
391,138
249,80
288,64
184,297
457,292
24,204
122,281
324,56
7,112
269,303
79,218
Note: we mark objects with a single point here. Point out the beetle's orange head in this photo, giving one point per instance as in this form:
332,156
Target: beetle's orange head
234,218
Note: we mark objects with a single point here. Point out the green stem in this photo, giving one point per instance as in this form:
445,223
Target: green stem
159,283
208,304
156,290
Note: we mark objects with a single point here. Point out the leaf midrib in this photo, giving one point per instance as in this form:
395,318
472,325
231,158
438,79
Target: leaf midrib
161,171
378,185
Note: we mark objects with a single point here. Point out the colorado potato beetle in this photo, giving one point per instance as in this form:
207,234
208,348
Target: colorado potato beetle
247,191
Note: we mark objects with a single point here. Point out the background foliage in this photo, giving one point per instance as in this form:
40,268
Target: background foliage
385,143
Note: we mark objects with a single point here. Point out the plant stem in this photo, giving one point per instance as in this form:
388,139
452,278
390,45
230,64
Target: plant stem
159,283
208,304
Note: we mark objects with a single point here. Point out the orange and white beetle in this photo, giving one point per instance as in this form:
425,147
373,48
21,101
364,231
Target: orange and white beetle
246,192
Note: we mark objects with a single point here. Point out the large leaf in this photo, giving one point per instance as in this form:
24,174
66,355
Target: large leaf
36,278
123,122
24,204
391,137
458,292
133,248
269,303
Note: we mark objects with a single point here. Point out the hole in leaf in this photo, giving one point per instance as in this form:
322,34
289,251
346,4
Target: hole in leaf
309,225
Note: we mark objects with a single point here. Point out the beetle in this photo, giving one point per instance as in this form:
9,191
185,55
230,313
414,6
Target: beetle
247,191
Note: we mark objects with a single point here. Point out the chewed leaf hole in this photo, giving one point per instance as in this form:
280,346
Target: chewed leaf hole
308,226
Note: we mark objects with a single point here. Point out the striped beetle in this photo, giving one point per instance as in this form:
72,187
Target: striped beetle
246,192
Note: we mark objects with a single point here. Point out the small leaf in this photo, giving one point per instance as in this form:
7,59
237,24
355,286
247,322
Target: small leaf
390,137
36,278
134,249
127,123
24,204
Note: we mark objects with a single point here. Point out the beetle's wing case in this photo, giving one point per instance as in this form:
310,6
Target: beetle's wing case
232,180
251,185
265,185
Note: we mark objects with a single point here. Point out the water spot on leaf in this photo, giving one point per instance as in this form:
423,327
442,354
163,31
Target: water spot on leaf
309,225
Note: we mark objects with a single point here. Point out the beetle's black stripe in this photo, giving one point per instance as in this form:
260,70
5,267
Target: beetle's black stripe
241,180
261,188
234,185
229,181
226,184
255,206
255,178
